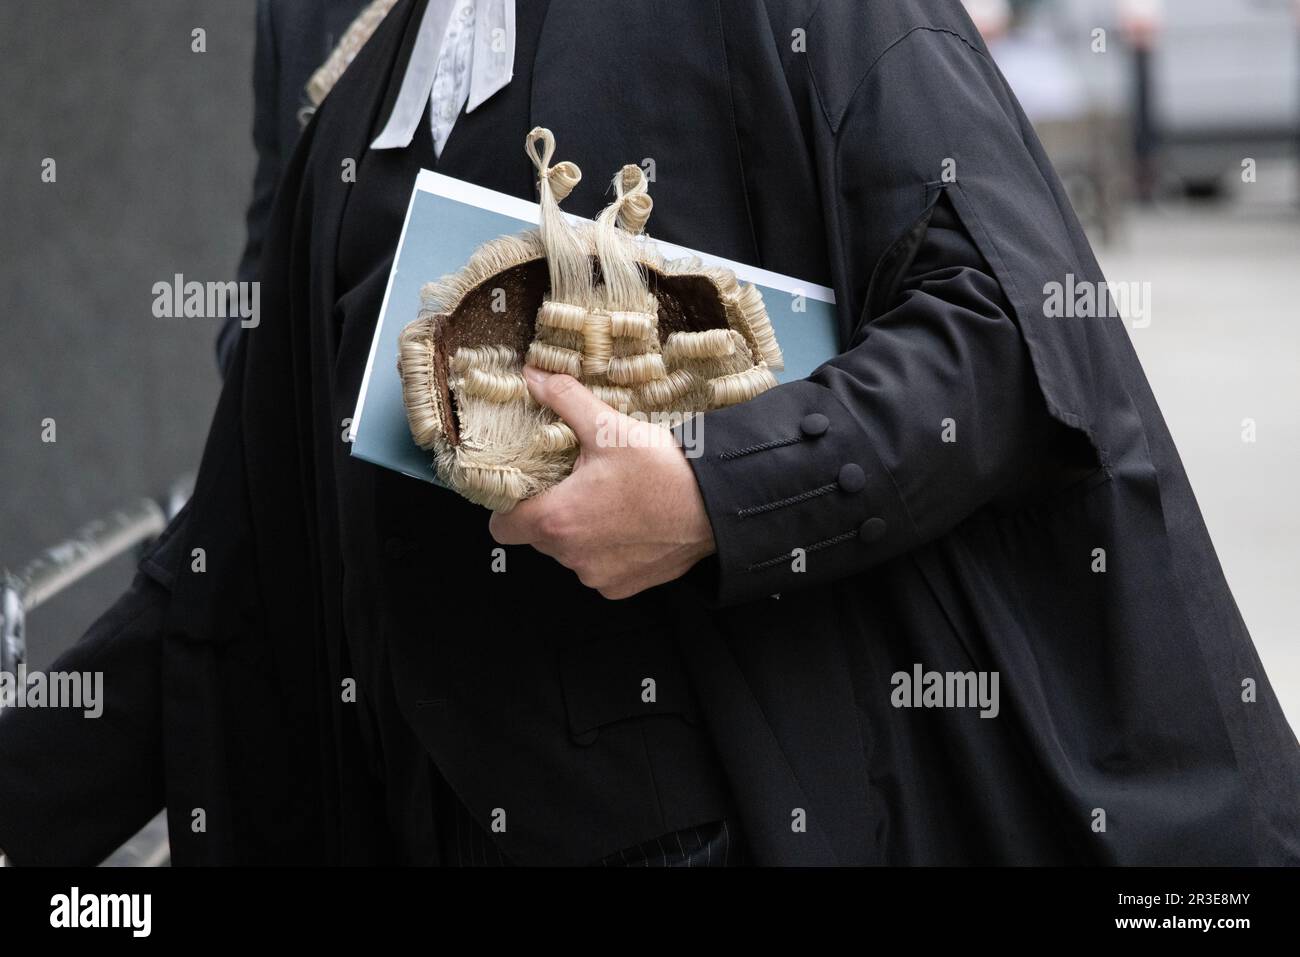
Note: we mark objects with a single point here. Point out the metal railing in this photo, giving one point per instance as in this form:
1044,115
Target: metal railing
94,545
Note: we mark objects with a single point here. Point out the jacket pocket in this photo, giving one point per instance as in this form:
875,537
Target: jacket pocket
627,676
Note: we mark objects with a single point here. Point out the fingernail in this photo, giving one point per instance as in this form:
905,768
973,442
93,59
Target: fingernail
535,376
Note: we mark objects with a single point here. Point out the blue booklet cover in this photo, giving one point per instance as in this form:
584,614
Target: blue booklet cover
448,219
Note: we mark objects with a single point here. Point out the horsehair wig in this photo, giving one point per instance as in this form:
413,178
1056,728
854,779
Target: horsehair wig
461,360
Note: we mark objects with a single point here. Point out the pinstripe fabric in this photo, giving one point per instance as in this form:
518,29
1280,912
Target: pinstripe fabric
710,845
463,842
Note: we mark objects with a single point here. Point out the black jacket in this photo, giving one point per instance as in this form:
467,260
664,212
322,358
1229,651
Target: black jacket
811,139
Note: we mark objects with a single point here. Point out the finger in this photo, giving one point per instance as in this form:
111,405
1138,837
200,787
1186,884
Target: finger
572,402
519,526
619,592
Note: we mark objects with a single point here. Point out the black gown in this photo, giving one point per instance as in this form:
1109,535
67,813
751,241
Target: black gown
816,140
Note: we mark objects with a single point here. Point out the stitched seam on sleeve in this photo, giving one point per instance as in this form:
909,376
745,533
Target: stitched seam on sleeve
752,510
761,447
815,547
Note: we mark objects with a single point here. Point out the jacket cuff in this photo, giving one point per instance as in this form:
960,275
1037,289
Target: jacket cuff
795,492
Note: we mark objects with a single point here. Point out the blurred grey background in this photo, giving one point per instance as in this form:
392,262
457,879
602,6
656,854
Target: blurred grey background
154,164
152,143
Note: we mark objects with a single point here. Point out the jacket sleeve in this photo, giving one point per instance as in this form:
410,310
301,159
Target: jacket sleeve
943,227
935,408
887,446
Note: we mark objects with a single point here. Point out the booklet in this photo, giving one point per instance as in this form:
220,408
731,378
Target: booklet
448,219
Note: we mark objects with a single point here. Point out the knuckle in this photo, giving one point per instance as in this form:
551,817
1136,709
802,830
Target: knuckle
553,525
498,527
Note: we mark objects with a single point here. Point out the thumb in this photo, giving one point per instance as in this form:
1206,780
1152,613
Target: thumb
573,402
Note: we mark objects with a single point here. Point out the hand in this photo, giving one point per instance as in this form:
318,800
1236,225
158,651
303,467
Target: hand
629,517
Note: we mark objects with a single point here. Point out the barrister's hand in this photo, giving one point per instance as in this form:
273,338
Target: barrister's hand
630,516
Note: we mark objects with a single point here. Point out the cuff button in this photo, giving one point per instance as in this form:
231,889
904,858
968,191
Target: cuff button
852,479
872,530
814,425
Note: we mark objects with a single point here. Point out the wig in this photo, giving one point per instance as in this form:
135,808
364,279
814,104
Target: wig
589,299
